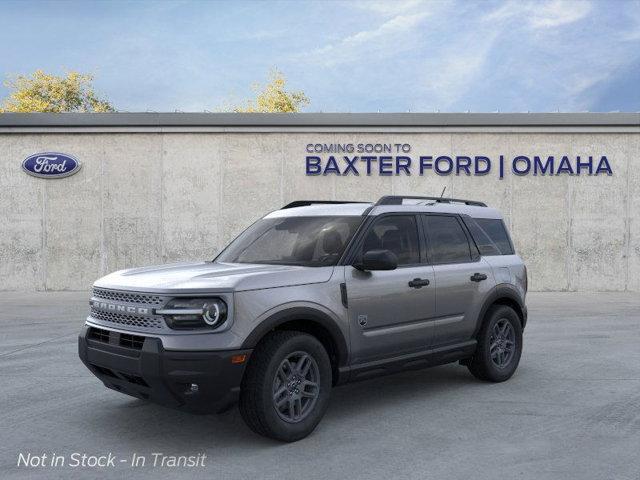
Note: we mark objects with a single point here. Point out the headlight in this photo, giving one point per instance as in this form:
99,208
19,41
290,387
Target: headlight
192,313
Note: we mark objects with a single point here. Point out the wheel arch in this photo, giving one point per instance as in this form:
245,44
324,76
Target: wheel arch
308,320
504,294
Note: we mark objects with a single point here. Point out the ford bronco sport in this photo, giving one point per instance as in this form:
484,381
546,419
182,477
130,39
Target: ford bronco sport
311,296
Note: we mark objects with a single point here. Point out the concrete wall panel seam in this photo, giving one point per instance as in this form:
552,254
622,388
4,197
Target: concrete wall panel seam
44,237
282,170
627,226
163,250
569,243
103,249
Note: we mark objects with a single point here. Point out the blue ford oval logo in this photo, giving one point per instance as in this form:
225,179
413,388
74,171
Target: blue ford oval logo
51,165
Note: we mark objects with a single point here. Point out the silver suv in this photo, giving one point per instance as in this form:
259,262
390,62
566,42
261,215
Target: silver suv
311,296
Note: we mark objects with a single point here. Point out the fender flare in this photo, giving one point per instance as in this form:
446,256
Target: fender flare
301,313
499,292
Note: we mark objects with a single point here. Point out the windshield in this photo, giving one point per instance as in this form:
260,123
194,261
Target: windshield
305,241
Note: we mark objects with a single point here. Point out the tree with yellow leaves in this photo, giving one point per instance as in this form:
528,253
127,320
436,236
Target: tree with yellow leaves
274,98
42,92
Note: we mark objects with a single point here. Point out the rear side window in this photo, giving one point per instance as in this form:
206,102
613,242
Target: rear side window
447,240
490,235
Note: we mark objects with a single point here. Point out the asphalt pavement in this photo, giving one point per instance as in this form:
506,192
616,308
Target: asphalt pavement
571,411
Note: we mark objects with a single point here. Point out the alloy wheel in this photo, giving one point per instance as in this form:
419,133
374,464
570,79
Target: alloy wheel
502,343
296,387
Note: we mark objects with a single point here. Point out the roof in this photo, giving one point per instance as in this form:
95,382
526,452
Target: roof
472,211
357,209
343,209
313,121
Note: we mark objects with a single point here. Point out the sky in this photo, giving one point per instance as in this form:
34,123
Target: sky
351,56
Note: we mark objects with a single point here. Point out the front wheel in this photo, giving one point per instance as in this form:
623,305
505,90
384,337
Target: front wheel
286,388
499,346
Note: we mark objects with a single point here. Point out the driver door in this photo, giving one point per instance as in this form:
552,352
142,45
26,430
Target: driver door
387,315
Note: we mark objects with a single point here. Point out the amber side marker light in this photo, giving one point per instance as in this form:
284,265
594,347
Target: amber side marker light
239,358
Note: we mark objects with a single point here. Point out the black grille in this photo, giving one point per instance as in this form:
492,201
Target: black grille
99,335
130,320
127,297
131,341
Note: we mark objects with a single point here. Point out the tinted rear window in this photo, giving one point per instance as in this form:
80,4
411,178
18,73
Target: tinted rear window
447,240
490,234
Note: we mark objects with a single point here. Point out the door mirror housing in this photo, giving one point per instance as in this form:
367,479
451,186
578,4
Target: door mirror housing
378,260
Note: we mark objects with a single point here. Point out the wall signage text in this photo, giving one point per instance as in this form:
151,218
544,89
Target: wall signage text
388,159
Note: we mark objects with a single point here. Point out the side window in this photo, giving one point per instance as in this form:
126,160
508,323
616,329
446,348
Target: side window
397,233
494,229
484,243
447,239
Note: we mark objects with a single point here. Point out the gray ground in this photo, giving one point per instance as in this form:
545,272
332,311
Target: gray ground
571,411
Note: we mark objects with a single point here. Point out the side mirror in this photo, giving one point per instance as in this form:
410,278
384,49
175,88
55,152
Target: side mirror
378,260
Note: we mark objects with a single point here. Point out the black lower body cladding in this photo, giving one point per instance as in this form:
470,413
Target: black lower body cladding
201,382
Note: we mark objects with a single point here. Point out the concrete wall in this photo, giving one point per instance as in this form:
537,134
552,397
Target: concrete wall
148,198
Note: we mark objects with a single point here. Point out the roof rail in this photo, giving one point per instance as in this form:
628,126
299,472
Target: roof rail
306,203
397,200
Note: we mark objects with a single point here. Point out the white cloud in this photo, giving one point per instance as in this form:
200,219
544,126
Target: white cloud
393,36
559,12
539,15
396,25
451,73
564,67
578,83
386,7
632,13
507,11
521,55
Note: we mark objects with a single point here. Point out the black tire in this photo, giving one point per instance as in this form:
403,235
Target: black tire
485,363
258,388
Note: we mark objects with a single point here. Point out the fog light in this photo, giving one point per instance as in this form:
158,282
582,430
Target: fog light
193,388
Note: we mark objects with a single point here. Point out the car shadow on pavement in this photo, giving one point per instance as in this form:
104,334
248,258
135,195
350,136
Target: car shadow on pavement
135,422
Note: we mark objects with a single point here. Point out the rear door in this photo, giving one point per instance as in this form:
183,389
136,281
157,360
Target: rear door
462,278
390,313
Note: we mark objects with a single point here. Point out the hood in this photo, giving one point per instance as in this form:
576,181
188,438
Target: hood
215,277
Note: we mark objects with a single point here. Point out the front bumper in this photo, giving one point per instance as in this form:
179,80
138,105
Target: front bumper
139,366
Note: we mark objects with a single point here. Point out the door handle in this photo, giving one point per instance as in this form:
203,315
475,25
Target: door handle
418,282
478,277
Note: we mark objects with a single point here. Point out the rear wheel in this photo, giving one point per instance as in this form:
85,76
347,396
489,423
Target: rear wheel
286,388
499,346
